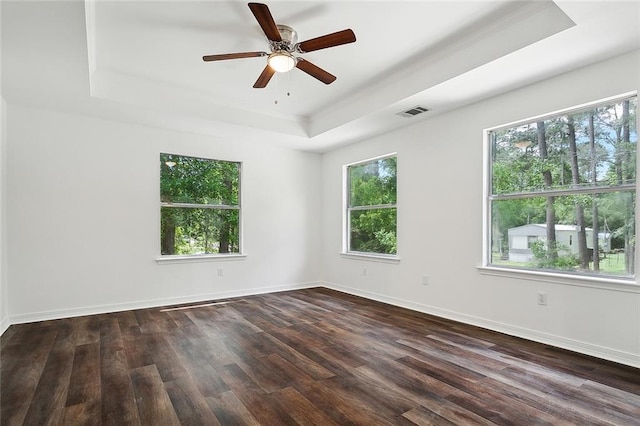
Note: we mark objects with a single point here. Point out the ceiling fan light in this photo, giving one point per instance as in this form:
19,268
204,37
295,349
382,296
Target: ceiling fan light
281,61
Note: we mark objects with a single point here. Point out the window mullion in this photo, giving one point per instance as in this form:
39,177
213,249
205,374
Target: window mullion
200,206
561,192
374,207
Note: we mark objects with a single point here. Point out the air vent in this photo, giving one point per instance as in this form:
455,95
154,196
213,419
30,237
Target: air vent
412,112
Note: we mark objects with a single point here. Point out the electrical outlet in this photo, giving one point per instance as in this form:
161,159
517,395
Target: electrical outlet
425,280
542,298
220,272
364,271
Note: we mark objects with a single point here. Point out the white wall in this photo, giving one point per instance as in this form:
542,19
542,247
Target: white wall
440,174
4,297
4,293
83,214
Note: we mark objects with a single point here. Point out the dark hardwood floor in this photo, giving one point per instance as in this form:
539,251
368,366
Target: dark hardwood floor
309,357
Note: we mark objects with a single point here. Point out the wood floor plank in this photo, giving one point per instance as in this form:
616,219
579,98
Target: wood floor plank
216,350
189,404
118,402
201,372
505,404
264,316
573,398
87,330
311,356
302,410
266,379
148,325
443,370
9,333
452,413
629,402
531,368
256,344
550,407
342,410
302,362
363,344
230,411
333,359
164,357
154,404
283,368
21,370
180,319
407,381
136,351
84,384
47,405
261,404
367,396
83,414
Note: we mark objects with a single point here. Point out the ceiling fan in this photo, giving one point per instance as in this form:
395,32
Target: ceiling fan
283,42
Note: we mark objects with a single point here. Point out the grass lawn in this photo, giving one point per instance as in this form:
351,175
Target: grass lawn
612,264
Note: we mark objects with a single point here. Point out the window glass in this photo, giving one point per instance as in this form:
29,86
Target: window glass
199,209
373,183
562,192
371,206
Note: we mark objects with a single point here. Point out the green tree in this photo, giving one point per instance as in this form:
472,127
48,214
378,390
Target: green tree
550,211
575,179
200,205
372,211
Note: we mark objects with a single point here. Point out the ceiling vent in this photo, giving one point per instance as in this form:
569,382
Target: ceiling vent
412,112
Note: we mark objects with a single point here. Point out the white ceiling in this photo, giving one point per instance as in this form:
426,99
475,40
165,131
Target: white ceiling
141,61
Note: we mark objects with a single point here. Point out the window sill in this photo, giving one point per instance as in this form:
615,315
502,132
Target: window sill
200,258
605,283
371,257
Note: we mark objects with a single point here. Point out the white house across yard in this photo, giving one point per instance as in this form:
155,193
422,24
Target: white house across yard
522,237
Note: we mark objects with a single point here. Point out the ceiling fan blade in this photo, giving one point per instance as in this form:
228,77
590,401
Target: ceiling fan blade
315,71
225,56
264,18
329,40
264,78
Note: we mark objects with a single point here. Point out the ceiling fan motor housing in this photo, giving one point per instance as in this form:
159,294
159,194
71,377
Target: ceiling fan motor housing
289,39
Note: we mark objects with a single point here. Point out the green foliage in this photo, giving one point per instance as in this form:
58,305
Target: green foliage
186,183
516,212
551,258
373,230
373,183
198,180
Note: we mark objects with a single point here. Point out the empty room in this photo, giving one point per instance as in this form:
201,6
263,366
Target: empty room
319,212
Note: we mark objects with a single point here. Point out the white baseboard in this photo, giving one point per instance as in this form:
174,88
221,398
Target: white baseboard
151,303
4,324
534,335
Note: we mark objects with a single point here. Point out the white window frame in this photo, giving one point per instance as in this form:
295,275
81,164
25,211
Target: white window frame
587,280
346,209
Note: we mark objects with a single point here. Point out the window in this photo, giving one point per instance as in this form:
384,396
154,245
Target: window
371,206
199,205
565,184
